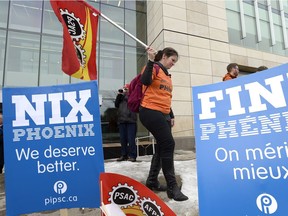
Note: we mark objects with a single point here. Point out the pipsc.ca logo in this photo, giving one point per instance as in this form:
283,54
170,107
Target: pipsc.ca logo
266,203
60,187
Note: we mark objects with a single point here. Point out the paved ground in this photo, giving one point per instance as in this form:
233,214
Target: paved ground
179,155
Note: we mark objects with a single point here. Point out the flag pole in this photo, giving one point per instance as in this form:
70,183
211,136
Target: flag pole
96,12
122,29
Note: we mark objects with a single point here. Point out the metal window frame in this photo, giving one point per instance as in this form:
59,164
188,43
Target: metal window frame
258,26
284,29
242,19
271,23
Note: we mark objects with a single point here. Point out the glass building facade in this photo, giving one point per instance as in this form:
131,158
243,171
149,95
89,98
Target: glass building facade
31,50
259,24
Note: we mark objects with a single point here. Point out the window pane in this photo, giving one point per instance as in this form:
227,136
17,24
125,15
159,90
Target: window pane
263,14
286,21
278,48
265,44
131,69
109,32
135,59
130,26
111,67
278,33
135,23
136,5
111,78
2,53
249,9
22,59
285,5
118,3
275,4
109,118
50,68
3,13
26,15
263,2
251,37
76,80
94,4
276,19
234,27
51,24
232,5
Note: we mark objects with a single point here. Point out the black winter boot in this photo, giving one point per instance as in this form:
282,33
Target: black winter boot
152,181
173,191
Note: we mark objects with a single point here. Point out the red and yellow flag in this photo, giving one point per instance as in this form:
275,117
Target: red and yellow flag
80,26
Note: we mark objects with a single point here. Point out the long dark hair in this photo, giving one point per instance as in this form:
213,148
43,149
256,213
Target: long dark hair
168,51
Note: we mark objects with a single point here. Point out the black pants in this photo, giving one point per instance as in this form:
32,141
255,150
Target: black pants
160,127
127,136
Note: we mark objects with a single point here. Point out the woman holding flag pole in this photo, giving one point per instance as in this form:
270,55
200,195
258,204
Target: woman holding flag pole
164,154
150,118
163,157
157,116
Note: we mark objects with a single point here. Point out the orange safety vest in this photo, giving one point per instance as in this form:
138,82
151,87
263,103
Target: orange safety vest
228,76
158,95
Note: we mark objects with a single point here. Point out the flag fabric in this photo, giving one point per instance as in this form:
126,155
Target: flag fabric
133,197
80,26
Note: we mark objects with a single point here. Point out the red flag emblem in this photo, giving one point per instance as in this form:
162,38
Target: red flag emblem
80,26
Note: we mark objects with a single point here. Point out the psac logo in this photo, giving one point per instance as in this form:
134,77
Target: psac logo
124,195
130,202
266,203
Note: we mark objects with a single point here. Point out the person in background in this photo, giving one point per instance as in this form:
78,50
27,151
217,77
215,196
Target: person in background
157,116
1,141
232,72
127,121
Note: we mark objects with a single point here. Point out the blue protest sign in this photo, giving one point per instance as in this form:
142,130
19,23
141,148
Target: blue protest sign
53,147
241,145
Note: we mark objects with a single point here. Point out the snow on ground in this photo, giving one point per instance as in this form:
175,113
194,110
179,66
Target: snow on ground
186,169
